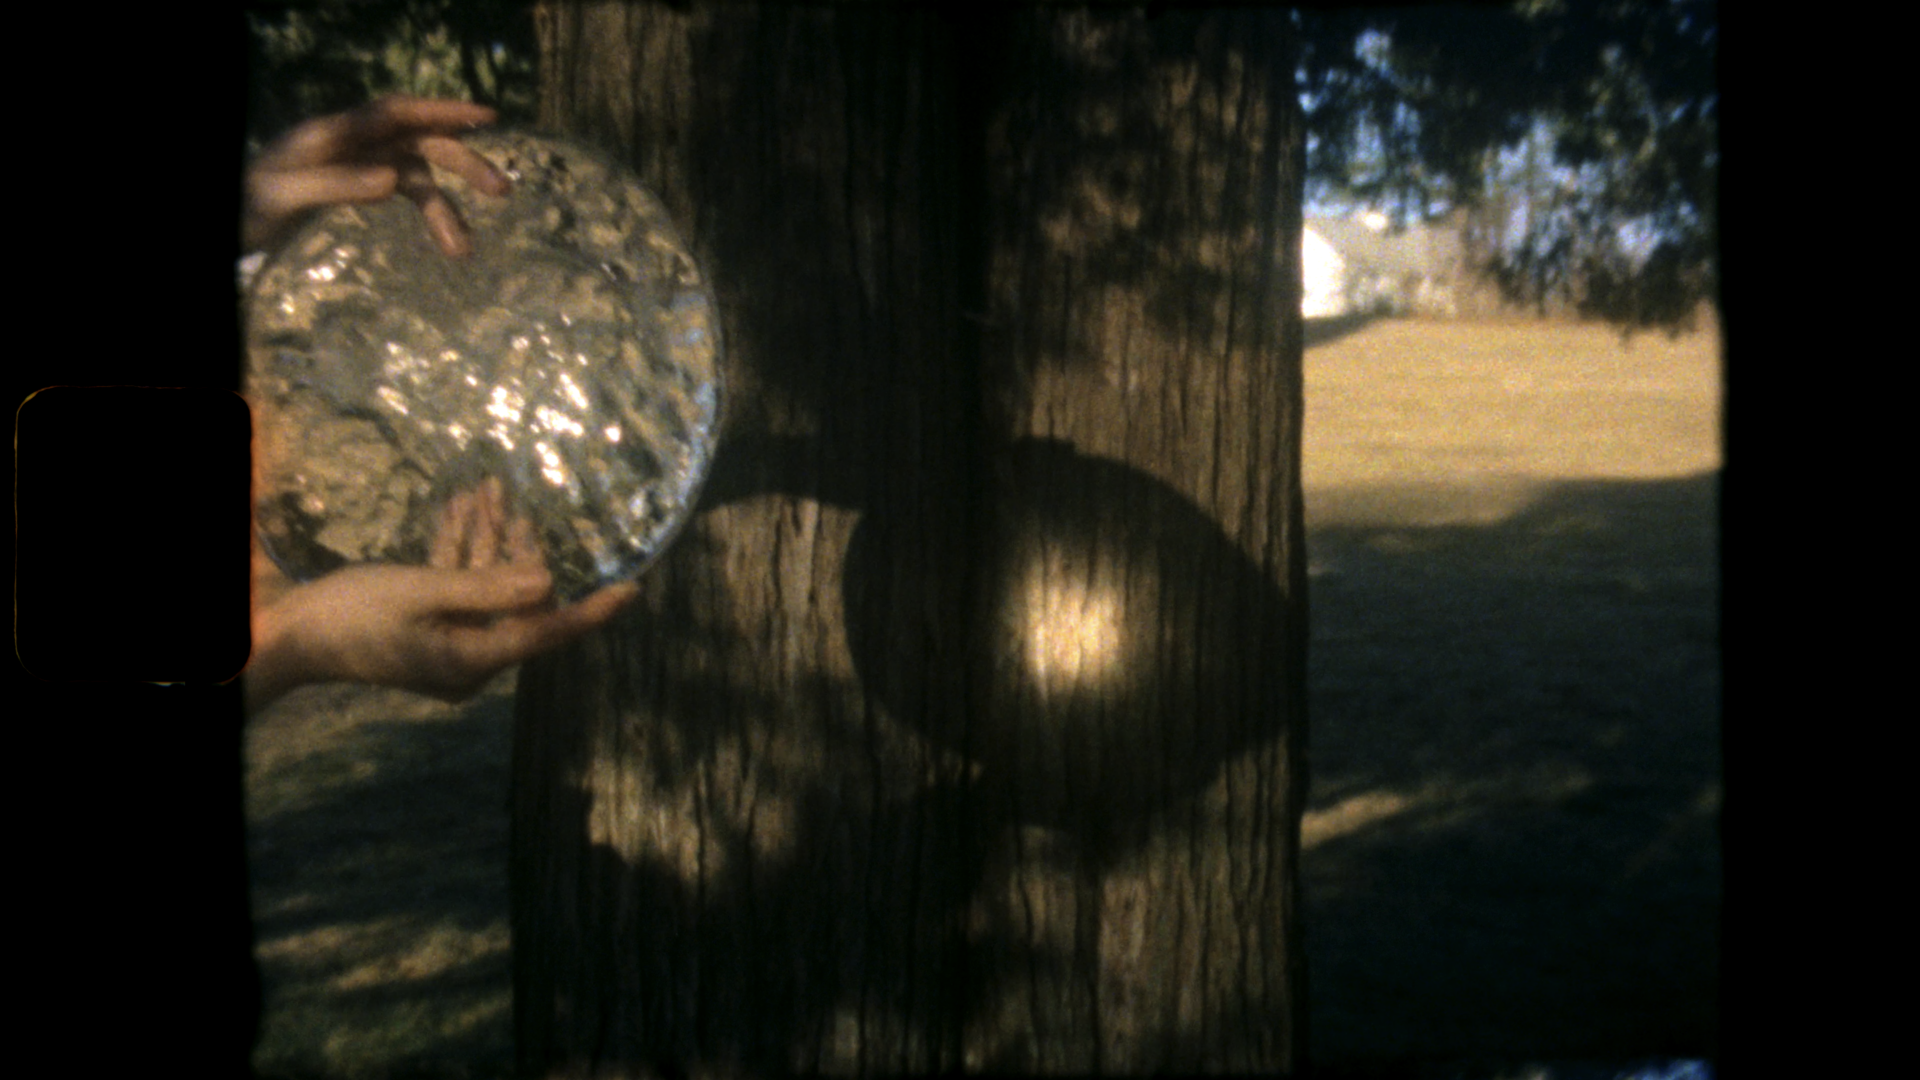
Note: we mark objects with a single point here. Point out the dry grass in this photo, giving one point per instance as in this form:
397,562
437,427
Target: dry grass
1412,422
1511,844
378,846
1512,832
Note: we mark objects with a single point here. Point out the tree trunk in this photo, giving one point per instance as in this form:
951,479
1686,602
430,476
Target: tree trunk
962,728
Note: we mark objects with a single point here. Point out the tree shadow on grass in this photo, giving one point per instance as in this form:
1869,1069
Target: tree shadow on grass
1512,844
1323,331
379,886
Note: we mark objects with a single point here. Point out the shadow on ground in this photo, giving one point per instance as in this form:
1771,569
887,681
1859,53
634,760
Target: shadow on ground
1321,331
380,899
1512,841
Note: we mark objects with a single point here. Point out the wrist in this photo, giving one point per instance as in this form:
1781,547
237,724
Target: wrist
279,662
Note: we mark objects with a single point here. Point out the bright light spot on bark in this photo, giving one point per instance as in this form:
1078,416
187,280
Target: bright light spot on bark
1072,631
661,826
661,832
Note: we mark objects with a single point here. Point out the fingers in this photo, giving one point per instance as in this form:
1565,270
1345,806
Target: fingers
367,155
314,143
450,533
473,531
492,492
515,638
458,158
555,628
600,608
521,546
486,590
449,231
471,653
388,120
437,631
275,199
444,223
287,192
490,499
398,114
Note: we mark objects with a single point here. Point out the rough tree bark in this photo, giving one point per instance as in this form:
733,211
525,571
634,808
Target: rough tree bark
963,727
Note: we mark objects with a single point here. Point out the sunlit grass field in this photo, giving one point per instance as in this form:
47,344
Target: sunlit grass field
1511,845
1417,422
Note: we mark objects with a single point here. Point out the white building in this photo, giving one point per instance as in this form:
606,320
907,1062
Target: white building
1323,275
1357,264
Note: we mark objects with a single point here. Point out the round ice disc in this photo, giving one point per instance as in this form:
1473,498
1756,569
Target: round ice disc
575,355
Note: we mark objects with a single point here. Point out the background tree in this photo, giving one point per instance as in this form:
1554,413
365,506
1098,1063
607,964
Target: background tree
1576,141
962,728
1605,113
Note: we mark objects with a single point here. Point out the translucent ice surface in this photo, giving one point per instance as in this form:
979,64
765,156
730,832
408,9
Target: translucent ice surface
575,355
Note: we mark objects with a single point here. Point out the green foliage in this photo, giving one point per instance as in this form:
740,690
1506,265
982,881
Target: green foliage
1417,111
1426,109
310,59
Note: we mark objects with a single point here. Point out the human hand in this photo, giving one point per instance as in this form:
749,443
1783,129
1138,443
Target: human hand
368,155
484,602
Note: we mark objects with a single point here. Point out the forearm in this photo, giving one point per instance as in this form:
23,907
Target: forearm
277,664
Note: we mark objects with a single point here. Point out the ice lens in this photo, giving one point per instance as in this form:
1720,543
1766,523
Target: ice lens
575,355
